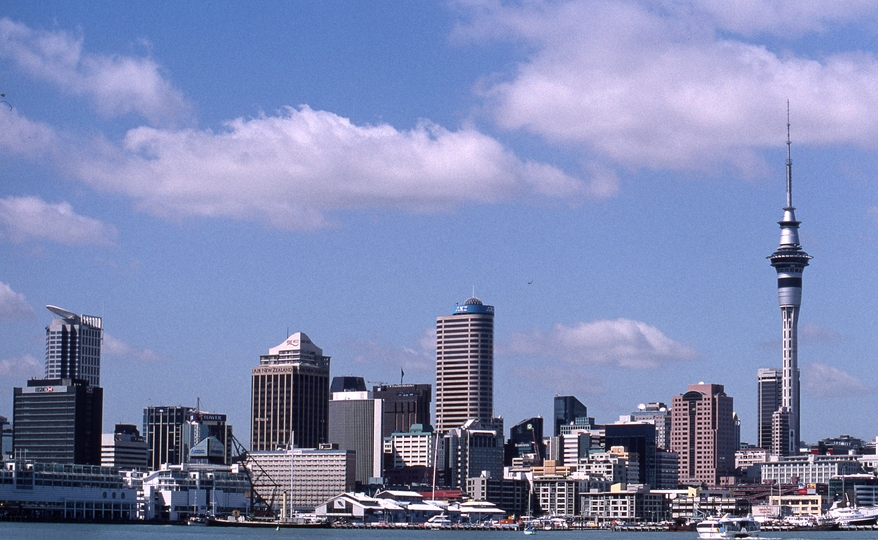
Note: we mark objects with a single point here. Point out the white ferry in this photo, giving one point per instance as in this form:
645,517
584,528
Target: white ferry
728,527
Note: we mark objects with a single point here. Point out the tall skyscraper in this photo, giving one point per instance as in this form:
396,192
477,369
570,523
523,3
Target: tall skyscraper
58,419
290,396
768,382
73,347
703,434
789,261
465,365
404,406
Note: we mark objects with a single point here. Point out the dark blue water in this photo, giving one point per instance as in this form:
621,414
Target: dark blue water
71,531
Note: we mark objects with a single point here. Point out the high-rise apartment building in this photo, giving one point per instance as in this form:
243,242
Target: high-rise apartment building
703,433
465,365
769,385
58,419
73,347
404,406
290,396
355,424
789,261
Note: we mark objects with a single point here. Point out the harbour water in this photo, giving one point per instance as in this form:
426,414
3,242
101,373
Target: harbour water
76,531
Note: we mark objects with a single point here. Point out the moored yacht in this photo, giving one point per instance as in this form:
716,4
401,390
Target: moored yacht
728,527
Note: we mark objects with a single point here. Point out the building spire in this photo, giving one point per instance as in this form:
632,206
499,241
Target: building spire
789,162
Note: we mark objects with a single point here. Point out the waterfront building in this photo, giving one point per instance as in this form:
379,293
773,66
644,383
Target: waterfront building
703,433
125,448
526,440
304,477
789,260
769,389
73,347
58,421
355,424
808,469
570,414
404,405
465,365
175,492
64,492
290,396
624,503
695,503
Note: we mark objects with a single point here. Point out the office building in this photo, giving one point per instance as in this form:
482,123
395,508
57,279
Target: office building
58,420
304,477
73,347
789,261
404,406
5,439
465,365
703,433
355,424
125,448
569,411
526,441
164,428
639,439
408,456
657,414
769,387
290,396
471,450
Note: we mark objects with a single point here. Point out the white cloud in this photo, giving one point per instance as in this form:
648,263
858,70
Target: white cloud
420,358
822,381
116,84
291,169
642,86
112,346
26,366
814,333
12,304
31,218
619,342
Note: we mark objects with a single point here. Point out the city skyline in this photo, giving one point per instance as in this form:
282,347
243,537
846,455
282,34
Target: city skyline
607,175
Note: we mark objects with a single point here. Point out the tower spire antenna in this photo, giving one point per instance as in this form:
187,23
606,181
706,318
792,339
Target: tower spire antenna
789,162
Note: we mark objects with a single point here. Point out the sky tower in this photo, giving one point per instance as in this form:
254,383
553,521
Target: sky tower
790,261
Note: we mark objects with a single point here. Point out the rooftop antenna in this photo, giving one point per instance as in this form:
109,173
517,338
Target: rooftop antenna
789,162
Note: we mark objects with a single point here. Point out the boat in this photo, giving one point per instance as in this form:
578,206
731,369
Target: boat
852,516
199,520
728,527
240,521
438,522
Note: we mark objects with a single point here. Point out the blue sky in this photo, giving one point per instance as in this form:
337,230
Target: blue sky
210,176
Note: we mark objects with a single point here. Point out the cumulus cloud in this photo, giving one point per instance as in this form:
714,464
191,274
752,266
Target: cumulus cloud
117,85
291,169
823,381
112,346
31,218
12,304
26,366
669,86
620,342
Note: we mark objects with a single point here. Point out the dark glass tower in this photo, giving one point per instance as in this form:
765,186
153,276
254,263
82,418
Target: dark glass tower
567,410
789,261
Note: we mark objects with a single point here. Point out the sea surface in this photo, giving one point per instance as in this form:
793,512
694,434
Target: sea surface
75,531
